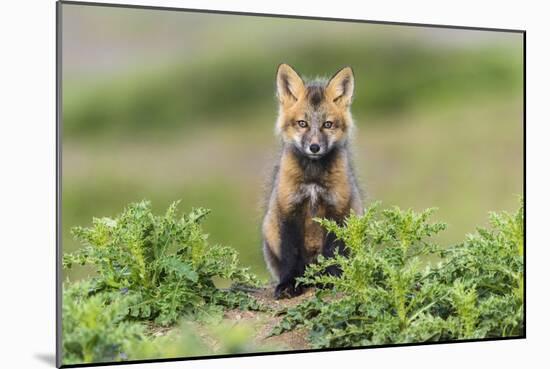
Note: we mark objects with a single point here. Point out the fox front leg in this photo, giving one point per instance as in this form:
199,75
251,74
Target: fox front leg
292,260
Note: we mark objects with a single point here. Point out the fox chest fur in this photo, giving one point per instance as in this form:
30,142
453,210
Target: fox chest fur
308,189
304,190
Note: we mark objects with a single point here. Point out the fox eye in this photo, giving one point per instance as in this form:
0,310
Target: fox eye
302,123
327,124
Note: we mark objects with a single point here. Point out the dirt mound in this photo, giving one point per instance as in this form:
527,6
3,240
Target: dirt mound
264,321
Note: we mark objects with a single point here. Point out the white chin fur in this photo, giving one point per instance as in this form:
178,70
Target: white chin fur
314,156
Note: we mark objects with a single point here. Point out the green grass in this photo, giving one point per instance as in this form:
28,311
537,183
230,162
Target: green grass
392,77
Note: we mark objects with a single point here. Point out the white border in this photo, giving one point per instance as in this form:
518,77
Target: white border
27,211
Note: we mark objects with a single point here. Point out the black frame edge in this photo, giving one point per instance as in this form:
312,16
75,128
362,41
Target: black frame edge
290,352
58,149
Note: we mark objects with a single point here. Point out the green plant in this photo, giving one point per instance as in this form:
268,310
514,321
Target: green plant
94,327
163,263
389,292
155,270
488,268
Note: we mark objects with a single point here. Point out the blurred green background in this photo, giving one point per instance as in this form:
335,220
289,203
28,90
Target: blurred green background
165,105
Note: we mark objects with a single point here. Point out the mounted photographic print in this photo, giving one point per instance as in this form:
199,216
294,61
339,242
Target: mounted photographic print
235,184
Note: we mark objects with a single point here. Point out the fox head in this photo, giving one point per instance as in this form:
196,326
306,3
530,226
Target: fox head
314,116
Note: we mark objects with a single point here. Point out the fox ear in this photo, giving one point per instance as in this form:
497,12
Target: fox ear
290,85
340,87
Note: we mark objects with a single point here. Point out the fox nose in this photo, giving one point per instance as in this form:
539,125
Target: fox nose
314,148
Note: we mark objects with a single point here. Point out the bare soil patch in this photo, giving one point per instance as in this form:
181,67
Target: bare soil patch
265,321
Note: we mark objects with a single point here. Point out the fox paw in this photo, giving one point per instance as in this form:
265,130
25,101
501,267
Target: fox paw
287,290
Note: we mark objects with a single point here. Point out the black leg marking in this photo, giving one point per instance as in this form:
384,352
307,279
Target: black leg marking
292,261
329,250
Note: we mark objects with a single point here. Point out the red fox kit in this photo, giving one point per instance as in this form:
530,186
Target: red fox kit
314,176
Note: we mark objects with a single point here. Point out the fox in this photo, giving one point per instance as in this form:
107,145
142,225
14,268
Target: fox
314,175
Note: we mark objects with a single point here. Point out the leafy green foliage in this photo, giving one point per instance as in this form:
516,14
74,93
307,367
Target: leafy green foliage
489,264
94,327
389,293
150,269
155,270
164,263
